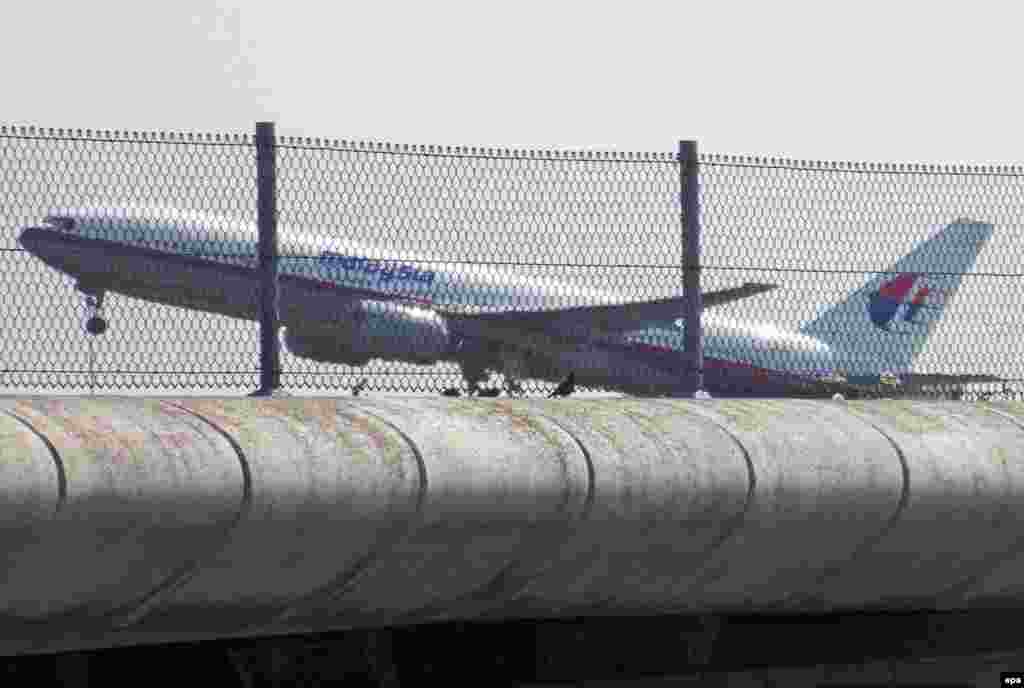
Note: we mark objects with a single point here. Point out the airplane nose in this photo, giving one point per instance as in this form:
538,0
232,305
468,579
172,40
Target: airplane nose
33,241
55,248
37,238
33,238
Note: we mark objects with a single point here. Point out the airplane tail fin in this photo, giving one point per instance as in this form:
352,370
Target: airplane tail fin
884,325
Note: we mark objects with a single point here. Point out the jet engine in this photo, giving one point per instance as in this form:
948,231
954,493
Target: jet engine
374,329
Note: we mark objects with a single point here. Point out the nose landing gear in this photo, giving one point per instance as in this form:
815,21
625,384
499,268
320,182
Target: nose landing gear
96,324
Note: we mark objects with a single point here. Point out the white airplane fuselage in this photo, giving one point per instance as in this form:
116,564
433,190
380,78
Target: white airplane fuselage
211,264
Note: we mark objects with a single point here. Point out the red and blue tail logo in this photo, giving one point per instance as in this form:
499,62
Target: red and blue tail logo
889,304
884,324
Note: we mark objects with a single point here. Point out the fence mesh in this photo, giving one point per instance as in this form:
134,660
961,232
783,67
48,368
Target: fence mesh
914,269
106,176
502,231
882,274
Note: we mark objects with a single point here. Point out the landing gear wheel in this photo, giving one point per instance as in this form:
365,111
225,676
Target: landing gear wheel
96,325
512,387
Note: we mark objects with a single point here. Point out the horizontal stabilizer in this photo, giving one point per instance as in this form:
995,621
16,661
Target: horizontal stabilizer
947,380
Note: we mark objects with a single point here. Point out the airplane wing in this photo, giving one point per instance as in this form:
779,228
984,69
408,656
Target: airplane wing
614,318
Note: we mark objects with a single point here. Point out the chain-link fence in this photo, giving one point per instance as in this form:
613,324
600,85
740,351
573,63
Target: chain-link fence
422,269
104,174
911,274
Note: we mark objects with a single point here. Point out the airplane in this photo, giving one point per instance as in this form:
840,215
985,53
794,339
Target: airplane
346,302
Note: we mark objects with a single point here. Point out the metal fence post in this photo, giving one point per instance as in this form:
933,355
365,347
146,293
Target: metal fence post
693,298
266,201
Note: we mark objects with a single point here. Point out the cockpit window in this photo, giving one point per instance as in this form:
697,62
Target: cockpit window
61,222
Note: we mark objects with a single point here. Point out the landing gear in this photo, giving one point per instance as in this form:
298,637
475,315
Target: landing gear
512,387
479,362
514,368
473,373
96,324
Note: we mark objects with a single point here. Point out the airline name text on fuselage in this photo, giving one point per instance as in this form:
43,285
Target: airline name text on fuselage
384,270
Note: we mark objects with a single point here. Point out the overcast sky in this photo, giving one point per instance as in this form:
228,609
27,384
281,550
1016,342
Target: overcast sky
876,81
866,81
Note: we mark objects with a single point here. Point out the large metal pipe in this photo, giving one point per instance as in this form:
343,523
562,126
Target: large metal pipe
127,520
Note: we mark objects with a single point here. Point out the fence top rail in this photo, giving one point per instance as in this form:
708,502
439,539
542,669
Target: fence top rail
492,152
124,135
911,168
